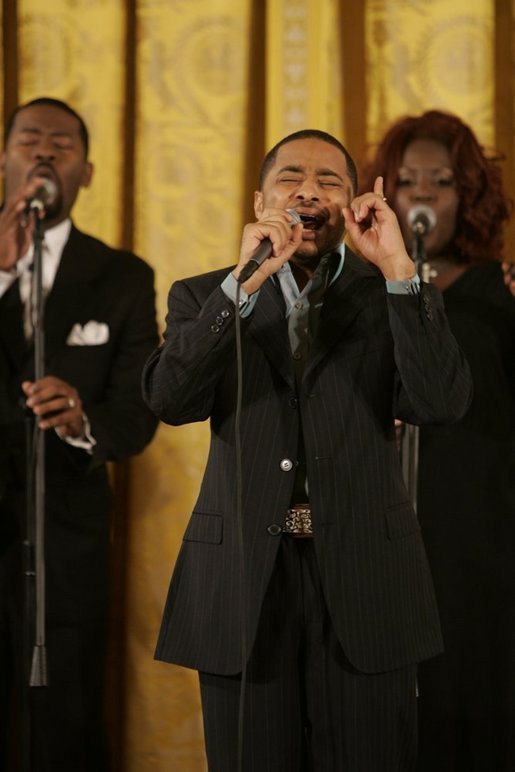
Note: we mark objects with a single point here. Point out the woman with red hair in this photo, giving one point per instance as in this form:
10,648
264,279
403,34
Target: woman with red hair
466,477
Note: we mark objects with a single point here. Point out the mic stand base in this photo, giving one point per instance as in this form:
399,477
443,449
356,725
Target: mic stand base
38,670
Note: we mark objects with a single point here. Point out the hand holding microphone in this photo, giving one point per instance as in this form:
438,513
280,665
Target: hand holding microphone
274,228
16,224
44,196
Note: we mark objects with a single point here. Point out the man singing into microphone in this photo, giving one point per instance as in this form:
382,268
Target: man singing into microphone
328,606
99,327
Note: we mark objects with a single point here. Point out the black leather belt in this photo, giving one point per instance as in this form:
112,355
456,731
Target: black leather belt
298,521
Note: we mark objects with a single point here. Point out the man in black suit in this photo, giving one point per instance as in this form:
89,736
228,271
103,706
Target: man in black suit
100,326
313,582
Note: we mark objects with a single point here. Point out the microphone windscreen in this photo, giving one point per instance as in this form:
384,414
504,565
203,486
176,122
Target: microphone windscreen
421,219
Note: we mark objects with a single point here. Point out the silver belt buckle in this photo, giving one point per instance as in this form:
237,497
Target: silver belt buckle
298,521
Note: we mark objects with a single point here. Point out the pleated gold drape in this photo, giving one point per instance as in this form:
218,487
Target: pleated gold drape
182,99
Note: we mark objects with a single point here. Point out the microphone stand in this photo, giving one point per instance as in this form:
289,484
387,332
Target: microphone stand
409,445
34,551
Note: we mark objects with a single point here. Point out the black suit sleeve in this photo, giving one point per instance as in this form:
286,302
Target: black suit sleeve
181,376
120,421
433,380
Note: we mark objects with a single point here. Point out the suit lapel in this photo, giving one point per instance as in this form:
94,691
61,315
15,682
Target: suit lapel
342,302
11,326
70,293
268,318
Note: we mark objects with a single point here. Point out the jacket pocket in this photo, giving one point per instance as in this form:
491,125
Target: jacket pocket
203,527
401,521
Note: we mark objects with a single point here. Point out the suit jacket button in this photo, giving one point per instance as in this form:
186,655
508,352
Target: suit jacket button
292,402
274,529
215,328
286,465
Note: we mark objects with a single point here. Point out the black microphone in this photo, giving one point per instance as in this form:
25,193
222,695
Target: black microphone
263,251
43,197
421,219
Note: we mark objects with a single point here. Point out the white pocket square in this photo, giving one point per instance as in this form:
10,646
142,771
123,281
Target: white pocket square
91,334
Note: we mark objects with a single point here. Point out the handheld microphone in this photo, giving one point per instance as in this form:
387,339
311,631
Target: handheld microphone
43,197
263,251
421,219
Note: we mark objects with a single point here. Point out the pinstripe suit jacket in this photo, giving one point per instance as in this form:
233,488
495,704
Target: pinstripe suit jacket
375,357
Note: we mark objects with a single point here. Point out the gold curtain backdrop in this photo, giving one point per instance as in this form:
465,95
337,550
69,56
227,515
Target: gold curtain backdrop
420,54
303,67
74,50
182,98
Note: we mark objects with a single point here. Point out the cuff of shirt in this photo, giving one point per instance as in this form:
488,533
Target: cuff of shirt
247,302
85,441
404,287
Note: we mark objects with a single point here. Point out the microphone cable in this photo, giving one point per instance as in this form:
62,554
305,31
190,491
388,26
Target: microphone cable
239,526
263,251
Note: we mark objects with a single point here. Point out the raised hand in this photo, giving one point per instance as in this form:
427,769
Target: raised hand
16,227
375,231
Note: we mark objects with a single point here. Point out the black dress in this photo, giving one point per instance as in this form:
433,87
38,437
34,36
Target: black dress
466,505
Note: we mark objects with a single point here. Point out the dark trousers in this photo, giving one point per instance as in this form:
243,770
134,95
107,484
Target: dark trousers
57,728
306,707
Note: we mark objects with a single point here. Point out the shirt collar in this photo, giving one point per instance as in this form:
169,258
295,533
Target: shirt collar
53,244
289,286
56,238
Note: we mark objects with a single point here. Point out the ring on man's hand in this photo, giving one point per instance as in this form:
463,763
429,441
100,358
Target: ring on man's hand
71,402
384,198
